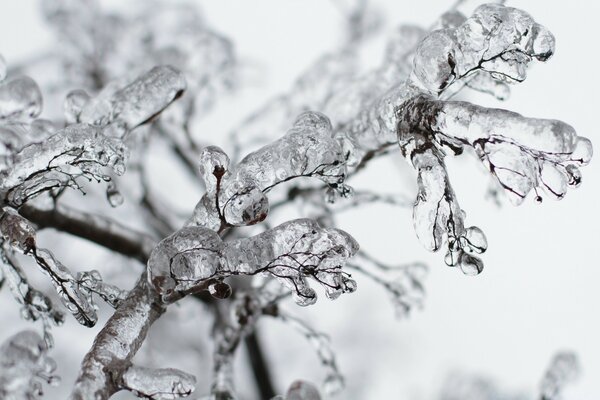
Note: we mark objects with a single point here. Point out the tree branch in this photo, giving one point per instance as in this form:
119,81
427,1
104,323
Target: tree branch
260,367
117,343
95,228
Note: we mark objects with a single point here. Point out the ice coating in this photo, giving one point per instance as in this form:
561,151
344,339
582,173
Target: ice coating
184,260
296,250
521,153
76,150
158,384
20,234
75,300
16,230
20,99
35,304
134,104
24,365
306,150
91,282
496,39
437,215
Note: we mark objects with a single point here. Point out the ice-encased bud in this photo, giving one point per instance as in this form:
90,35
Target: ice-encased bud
302,390
247,207
583,151
213,164
183,260
574,175
20,98
74,105
220,290
473,240
470,265
113,195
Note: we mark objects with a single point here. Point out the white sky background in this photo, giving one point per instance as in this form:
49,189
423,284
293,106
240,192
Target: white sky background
539,290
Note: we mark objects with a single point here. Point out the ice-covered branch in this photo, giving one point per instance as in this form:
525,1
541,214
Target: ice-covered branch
119,110
157,384
523,154
20,235
194,258
35,304
236,195
117,343
78,150
496,39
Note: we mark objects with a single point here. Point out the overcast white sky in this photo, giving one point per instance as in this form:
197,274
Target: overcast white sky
539,290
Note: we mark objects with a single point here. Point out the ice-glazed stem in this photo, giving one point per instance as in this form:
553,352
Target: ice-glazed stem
117,343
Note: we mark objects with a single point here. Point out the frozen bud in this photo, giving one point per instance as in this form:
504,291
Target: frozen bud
470,265
583,151
473,240
213,164
74,104
113,195
220,290
574,175
247,207
20,98
302,390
